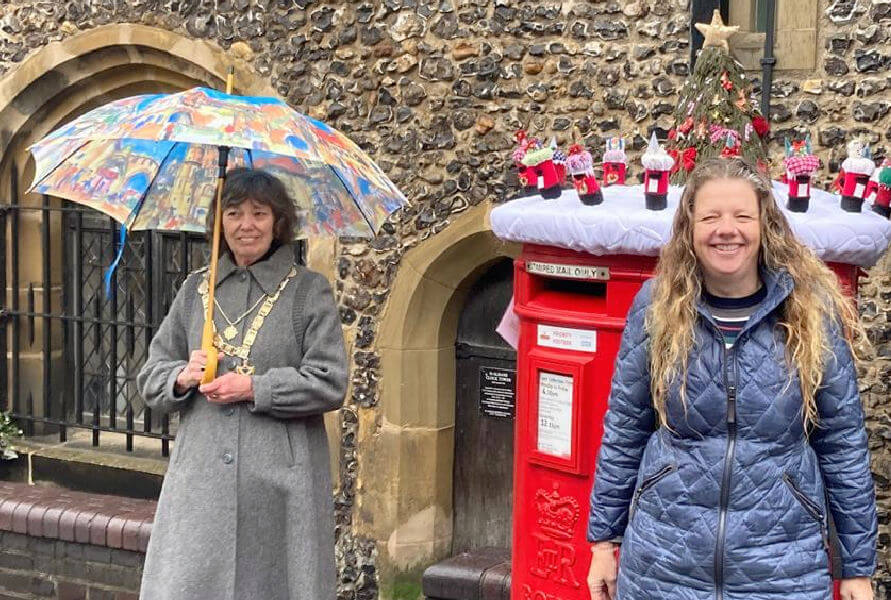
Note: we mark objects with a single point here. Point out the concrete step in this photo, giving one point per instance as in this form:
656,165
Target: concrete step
78,465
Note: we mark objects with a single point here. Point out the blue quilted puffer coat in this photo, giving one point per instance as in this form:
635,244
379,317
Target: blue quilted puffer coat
728,503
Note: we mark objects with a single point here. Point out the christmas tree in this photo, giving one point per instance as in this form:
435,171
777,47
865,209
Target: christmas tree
716,115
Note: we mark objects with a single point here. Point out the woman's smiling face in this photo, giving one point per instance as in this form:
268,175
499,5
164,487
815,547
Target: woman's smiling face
248,228
727,236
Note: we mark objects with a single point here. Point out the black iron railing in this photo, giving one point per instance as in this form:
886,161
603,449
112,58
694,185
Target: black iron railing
91,345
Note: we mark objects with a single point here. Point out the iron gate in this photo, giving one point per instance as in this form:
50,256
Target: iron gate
91,346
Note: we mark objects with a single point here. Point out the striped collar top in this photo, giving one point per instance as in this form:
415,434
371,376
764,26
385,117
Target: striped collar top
731,314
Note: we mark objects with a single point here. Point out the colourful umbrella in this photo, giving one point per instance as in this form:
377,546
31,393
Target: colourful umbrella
157,162
150,162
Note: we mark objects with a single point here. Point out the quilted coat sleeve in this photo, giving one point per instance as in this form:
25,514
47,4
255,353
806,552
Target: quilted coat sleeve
168,354
841,446
318,384
629,422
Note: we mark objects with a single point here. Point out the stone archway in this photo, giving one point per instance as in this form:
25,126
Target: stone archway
406,448
61,81
68,77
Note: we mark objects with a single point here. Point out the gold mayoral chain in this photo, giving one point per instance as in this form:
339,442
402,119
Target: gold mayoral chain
231,330
244,351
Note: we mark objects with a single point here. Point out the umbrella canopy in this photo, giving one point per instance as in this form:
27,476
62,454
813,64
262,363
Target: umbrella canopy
151,162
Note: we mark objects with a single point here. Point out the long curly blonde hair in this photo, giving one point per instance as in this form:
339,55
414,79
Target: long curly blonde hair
678,285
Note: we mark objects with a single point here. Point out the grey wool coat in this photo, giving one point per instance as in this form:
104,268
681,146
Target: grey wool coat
246,509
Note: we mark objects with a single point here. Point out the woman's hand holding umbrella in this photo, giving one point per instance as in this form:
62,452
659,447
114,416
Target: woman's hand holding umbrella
225,389
229,388
192,373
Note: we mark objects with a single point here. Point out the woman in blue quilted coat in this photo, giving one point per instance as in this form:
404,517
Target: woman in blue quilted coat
734,430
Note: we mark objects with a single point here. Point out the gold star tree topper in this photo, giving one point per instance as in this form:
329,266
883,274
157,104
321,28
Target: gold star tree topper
716,33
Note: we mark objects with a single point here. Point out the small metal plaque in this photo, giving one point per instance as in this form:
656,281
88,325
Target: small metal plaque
498,392
567,271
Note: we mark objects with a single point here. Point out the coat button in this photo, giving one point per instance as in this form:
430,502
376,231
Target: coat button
230,411
243,276
228,458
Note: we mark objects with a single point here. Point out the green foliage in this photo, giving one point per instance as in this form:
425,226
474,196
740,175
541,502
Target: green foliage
717,95
406,586
8,430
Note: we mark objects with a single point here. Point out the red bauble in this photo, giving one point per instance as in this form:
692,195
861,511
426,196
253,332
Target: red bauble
729,151
725,82
672,134
761,126
689,158
677,165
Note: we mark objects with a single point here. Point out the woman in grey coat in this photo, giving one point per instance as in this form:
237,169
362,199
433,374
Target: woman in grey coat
246,510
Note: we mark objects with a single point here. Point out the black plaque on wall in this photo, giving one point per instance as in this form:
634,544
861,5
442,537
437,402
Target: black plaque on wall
498,392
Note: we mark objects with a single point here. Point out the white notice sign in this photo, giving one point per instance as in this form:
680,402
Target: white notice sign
568,271
555,414
653,186
583,340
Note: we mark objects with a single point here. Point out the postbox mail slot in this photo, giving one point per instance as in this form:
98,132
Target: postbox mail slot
580,295
573,287
577,290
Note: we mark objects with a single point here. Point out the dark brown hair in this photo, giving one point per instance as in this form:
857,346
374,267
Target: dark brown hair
242,184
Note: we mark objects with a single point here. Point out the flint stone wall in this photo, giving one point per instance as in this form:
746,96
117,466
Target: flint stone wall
434,89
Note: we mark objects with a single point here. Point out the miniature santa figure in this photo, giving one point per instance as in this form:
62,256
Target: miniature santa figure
581,171
657,167
882,197
857,167
800,164
614,162
542,169
873,186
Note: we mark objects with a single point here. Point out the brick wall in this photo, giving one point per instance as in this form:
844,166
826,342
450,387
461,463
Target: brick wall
62,545
36,568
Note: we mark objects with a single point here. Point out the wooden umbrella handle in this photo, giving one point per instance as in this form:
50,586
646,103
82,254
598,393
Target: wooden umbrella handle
210,369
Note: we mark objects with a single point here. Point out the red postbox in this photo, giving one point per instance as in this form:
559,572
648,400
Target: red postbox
572,308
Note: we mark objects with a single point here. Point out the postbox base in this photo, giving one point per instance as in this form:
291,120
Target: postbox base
591,199
798,204
851,203
655,201
882,210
